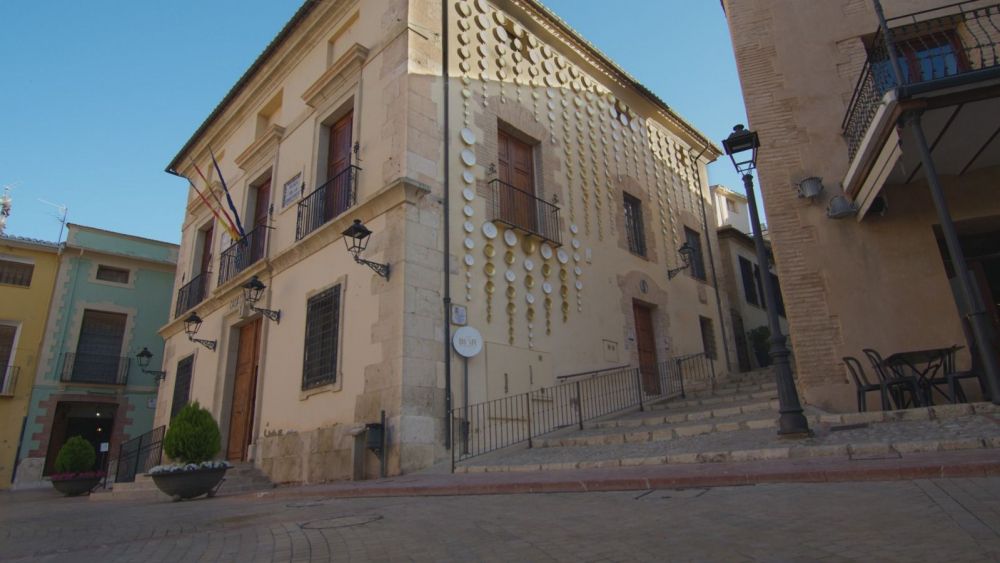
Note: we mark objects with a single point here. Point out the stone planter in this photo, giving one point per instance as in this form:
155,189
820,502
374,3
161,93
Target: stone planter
189,484
76,486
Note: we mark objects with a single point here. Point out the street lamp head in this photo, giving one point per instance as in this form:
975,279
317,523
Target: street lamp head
253,289
192,324
741,146
356,237
144,357
686,251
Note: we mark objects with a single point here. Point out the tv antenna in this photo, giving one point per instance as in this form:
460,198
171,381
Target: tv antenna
63,212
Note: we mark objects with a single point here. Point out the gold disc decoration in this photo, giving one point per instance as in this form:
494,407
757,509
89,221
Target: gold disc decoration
529,281
564,291
509,257
529,245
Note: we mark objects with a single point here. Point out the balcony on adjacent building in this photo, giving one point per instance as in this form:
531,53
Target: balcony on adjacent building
192,293
242,254
85,367
949,69
8,380
523,211
331,199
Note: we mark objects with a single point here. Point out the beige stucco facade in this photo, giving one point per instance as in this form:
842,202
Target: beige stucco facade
875,279
594,135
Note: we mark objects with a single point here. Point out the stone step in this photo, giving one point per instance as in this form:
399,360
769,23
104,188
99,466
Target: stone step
659,416
738,389
710,400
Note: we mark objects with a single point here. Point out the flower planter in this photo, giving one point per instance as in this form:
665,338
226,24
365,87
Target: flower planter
189,483
76,486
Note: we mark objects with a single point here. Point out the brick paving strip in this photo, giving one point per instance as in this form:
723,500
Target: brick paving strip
965,463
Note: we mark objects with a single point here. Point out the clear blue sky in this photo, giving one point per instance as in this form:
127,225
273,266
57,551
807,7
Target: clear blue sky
98,96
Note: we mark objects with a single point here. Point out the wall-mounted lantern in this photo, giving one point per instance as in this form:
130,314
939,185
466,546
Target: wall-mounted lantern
192,324
810,187
840,207
252,292
686,251
356,239
144,357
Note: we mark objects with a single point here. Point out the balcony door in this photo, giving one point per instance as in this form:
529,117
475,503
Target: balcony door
8,333
338,188
99,348
516,168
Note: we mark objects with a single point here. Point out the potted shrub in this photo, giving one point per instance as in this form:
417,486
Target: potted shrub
759,342
191,441
74,466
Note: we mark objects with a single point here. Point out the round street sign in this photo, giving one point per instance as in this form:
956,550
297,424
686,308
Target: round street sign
467,341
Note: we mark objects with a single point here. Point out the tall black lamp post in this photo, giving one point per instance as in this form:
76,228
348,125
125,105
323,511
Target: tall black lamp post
741,146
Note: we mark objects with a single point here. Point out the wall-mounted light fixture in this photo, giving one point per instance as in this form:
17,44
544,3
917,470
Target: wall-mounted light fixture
686,251
356,239
192,324
840,207
252,292
810,187
144,357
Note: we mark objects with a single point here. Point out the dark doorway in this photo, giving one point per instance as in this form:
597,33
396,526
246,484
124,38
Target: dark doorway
645,340
94,422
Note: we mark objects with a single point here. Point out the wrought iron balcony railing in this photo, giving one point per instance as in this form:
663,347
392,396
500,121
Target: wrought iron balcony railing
242,254
331,199
522,210
192,293
934,48
83,367
8,380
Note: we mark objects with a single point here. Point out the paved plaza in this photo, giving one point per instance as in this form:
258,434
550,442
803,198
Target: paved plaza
921,520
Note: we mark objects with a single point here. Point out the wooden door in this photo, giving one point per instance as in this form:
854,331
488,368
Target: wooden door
244,391
516,168
646,344
338,189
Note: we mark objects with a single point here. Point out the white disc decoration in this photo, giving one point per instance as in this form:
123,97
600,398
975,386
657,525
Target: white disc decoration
489,230
468,157
510,276
468,137
546,288
576,243
510,237
469,261
562,256
468,210
546,251
578,271
574,229
469,243
579,285
529,298
576,256
469,227
528,264
468,177
468,194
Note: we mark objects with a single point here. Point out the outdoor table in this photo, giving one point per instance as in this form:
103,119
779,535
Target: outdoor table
924,364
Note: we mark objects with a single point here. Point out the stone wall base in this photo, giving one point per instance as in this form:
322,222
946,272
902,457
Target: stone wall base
312,456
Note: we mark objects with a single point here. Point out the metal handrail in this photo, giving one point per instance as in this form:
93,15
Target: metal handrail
8,380
335,196
192,293
139,455
242,254
85,367
523,210
590,373
493,425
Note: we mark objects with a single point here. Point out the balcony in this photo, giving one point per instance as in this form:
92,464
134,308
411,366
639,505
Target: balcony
84,367
242,254
331,199
192,293
8,380
949,68
523,211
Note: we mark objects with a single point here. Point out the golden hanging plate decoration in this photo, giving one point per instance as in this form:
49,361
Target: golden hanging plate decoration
563,275
511,292
564,291
511,309
489,250
546,269
548,302
565,306
531,314
508,257
529,245
490,287
490,269
529,281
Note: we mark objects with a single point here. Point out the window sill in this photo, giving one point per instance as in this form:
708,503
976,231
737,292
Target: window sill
334,387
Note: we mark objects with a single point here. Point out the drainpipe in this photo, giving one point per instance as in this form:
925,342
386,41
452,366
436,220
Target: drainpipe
711,259
447,230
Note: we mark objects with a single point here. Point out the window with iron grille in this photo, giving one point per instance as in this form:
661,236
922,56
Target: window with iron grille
697,262
16,273
182,386
707,337
633,226
319,365
112,274
749,286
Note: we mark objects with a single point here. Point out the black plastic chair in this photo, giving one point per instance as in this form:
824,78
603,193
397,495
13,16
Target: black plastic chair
896,383
864,386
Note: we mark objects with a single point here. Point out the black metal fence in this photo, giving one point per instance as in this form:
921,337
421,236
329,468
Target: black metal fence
331,199
192,293
242,254
522,210
83,367
8,380
930,45
139,455
497,424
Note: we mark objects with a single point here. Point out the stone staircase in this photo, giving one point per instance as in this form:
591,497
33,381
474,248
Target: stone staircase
241,478
737,421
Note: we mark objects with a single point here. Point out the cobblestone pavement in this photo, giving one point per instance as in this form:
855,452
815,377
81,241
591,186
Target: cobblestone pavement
923,520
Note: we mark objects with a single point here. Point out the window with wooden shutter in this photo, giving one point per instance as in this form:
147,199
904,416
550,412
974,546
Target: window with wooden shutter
182,386
319,365
16,273
697,260
749,287
633,226
112,274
